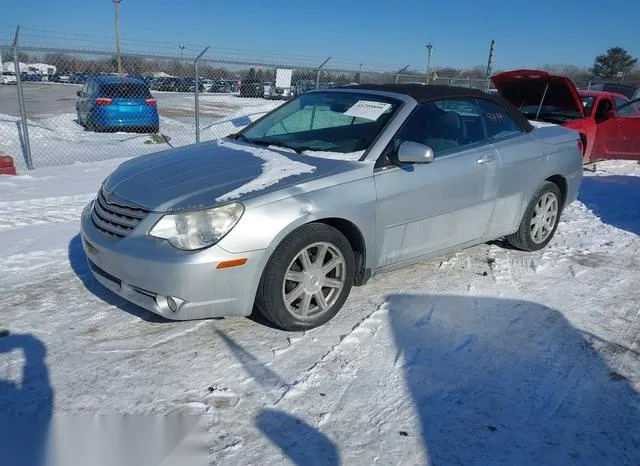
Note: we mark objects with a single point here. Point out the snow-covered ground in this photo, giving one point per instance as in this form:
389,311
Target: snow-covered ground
486,356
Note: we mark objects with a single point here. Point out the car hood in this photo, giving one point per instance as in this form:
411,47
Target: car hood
527,87
207,174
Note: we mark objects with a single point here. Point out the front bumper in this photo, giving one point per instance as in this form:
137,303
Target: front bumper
146,271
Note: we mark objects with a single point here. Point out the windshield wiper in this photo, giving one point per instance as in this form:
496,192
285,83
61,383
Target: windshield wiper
271,142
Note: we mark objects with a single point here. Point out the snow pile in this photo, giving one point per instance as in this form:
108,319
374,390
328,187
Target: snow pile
275,167
540,124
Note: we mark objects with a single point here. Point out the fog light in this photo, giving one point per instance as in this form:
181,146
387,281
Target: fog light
173,303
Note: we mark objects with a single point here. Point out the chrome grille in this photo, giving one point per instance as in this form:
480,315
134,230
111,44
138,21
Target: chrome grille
115,219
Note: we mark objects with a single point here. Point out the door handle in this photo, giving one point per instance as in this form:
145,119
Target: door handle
485,159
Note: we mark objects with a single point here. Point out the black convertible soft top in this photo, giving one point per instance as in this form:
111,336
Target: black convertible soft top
425,93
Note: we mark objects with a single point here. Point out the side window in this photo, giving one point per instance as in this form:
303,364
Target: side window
499,125
447,126
604,106
626,109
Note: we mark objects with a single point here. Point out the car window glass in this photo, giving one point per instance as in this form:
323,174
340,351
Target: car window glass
313,117
127,90
447,126
623,108
342,122
604,107
587,103
499,125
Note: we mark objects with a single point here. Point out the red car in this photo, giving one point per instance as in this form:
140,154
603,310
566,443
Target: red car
608,122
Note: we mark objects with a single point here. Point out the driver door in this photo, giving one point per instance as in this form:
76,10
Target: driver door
425,208
627,124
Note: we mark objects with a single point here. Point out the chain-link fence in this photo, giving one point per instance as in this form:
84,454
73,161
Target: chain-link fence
79,105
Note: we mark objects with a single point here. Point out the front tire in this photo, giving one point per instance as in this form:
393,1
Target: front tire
540,220
308,278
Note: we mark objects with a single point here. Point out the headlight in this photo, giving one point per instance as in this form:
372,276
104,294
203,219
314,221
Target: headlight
199,229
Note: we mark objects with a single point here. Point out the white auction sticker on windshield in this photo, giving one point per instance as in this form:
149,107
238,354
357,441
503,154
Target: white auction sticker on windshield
367,109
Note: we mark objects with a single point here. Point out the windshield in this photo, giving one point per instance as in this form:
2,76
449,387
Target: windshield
630,109
341,122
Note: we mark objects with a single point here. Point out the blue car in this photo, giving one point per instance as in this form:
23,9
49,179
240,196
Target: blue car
111,103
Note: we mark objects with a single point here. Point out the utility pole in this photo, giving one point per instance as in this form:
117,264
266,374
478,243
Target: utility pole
116,4
491,49
181,47
429,47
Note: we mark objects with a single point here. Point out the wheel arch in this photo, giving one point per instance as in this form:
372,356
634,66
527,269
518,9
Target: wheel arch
357,242
351,231
561,182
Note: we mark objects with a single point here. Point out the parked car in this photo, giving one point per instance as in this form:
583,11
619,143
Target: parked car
8,77
167,84
108,103
304,85
608,123
368,178
189,85
251,88
30,76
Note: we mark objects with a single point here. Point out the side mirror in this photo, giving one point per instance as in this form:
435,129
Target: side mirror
413,152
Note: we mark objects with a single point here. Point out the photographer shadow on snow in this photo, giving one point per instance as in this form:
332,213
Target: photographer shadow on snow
499,381
615,199
26,402
302,443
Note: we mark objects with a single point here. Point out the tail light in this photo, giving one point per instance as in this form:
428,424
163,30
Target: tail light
151,102
103,101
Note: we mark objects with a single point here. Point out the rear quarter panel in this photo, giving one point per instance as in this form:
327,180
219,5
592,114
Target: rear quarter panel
526,162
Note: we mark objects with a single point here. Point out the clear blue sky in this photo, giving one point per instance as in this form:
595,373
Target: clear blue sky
527,34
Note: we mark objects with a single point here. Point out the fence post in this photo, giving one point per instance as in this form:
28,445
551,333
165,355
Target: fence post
400,72
197,92
320,71
23,111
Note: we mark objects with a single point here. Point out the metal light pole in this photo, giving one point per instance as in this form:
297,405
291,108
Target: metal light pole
429,47
116,4
181,47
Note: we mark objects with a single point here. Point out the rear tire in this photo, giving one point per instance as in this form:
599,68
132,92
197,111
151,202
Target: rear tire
540,220
308,278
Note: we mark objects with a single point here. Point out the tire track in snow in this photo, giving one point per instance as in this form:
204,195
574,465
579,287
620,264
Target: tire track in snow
342,355
16,214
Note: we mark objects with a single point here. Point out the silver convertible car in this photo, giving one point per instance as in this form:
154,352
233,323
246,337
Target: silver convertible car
288,214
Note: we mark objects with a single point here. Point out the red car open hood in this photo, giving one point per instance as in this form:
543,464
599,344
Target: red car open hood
527,87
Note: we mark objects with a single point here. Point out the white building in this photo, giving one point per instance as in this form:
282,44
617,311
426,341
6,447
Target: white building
9,66
31,68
